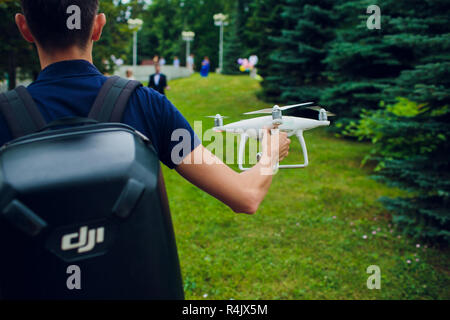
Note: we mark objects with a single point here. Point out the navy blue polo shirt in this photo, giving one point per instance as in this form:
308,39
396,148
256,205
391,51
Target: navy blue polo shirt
69,88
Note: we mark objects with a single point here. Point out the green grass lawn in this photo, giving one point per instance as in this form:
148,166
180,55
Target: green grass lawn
314,235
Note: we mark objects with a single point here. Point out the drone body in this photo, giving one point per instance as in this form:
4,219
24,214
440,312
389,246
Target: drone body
290,125
253,128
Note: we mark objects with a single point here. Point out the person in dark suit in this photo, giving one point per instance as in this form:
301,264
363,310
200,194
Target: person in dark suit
158,80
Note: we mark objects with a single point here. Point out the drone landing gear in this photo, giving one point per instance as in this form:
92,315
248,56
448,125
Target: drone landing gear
243,143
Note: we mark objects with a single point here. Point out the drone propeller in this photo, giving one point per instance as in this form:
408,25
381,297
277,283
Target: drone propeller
218,120
318,109
217,116
269,110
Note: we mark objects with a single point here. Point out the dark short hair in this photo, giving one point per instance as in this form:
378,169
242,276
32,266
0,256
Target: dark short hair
47,20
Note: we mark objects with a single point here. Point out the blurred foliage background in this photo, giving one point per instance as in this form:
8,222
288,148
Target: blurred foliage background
389,86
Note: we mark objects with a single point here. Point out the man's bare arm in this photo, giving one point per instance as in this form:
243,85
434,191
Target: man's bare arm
242,192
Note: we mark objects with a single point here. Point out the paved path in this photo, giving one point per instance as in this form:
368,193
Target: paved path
142,74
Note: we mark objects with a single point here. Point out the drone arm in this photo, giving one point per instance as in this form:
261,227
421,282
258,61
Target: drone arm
305,154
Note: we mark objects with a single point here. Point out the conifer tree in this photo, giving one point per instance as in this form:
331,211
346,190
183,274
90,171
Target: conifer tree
425,172
302,47
360,63
235,41
412,137
263,24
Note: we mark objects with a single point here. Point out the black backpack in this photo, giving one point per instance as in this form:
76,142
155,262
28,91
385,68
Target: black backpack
83,207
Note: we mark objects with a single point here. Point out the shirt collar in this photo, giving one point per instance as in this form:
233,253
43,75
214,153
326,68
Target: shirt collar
69,68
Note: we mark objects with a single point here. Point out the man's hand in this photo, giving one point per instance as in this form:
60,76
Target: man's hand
284,146
273,149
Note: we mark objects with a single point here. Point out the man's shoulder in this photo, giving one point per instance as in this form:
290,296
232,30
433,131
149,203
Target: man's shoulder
146,93
145,107
145,96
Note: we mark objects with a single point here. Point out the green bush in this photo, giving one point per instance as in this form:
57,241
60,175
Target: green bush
411,147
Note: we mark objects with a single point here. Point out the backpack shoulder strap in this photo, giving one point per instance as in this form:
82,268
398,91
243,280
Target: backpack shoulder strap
20,112
113,99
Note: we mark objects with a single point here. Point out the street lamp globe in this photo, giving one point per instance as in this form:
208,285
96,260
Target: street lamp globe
135,24
220,19
188,35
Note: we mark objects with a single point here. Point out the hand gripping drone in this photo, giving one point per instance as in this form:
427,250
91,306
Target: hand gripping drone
252,128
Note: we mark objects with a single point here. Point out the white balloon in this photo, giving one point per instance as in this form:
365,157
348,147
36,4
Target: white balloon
253,60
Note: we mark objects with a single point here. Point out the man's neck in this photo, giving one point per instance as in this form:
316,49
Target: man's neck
47,58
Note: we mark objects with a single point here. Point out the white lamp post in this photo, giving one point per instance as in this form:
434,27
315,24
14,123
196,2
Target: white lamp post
135,25
220,21
188,36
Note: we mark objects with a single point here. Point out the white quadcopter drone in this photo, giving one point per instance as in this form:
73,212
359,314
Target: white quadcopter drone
251,128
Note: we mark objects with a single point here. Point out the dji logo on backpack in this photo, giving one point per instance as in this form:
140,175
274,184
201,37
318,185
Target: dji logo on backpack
85,239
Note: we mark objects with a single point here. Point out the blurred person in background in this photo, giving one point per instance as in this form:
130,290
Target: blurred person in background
206,65
176,62
191,62
129,74
158,81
